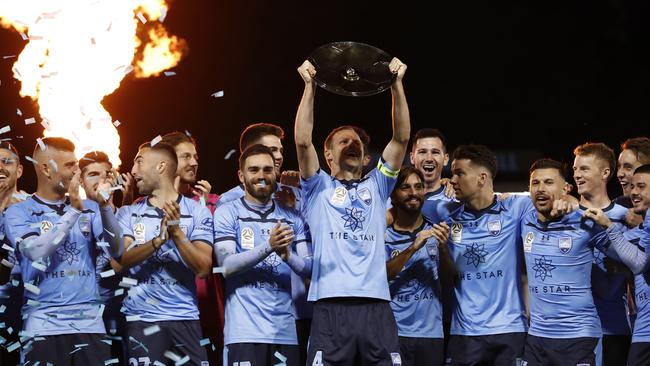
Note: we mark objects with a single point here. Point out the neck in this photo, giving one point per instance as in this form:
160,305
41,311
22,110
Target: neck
163,193
481,200
407,221
543,217
595,200
432,186
49,193
5,197
343,174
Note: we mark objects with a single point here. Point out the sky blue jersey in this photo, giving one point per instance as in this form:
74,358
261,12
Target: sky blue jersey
640,236
347,221
61,293
416,290
165,288
559,256
258,300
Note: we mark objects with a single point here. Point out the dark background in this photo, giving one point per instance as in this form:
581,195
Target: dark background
527,78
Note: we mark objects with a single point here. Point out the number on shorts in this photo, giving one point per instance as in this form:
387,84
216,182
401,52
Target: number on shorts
318,359
135,362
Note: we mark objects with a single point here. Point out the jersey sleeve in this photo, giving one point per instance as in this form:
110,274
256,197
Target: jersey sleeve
224,224
18,226
386,177
203,227
310,188
521,203
124,219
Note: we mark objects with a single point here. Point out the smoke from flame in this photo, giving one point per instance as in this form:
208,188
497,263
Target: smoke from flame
78,52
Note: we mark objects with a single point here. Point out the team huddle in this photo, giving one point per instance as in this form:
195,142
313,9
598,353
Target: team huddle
397,266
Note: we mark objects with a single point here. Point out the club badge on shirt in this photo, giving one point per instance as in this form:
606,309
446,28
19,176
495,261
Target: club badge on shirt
365,196
494,227
339,196
528,242
247,238
84,225
565,243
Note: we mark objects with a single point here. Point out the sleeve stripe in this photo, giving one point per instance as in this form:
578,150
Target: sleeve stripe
385,170
28,235
202,241
225,238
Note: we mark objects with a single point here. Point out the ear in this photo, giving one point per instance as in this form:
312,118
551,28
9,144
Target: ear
606,173
482,178
241,176
411,158
19,171
567,188
328,155
161,167
445,161
45,169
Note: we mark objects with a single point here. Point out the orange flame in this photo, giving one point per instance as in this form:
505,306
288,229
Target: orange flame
78,52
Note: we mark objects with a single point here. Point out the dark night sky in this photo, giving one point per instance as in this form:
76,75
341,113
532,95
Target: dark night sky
529,77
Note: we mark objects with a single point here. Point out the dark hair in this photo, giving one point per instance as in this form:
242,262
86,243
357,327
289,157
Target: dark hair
257,149
363,135
546,163
165,149
176,138
479,155
428,133
406,172
9,146
256,131
640,146
93,157
56,143
600,151
643,169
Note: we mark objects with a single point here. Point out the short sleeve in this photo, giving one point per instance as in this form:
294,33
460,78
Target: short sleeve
18,226
203,228
124,219
224,224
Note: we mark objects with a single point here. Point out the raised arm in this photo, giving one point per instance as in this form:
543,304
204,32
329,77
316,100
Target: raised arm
307,156
396,149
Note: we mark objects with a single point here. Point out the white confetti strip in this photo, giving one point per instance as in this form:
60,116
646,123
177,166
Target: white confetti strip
218,94
5,129
130,281
229,154
7,247
12,347
2,309
40,266
280,357
24,36
132,318
117,123
182,361
158,363
41,144
151,330
119,292
29,158
128,69
33,289
31,302
111,361
109,273
173,222
163,14
204,342
19,112
172,356
141,17
103,244
169,73
156,140
54,165
218,269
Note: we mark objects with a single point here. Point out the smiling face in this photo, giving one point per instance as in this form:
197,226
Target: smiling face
429,157
640,193
546,186
409,195
590,174
275,144
10,169
188,162
627,162
258,176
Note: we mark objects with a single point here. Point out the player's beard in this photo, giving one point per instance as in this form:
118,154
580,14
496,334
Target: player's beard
409,208
355,149
263,194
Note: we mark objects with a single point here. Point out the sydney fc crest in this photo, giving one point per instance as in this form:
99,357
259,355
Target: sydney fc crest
494,227
565,244
365,196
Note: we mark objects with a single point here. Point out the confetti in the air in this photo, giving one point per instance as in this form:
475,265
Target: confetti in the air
218,94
